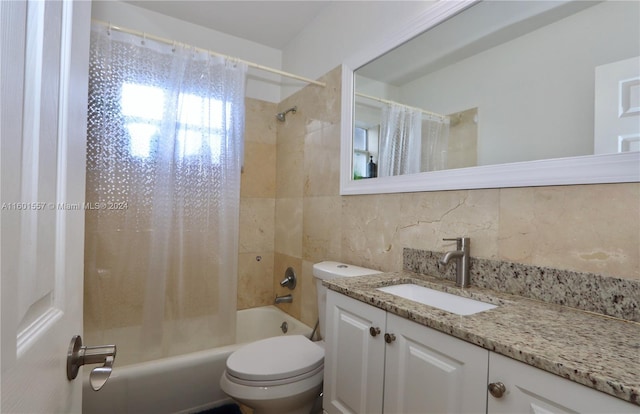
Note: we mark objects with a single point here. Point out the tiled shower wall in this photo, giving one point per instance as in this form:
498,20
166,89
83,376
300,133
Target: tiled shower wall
308,204
257,206
586,228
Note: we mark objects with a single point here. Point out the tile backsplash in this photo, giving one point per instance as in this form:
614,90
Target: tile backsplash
610,296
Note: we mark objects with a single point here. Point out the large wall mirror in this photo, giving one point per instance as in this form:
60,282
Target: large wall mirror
496,94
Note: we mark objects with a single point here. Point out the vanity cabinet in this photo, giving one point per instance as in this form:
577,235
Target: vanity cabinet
377,362
354,356
427,371
521,388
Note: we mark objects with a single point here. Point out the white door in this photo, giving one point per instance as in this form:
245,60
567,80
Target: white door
617,107
428,371
354,356
44,63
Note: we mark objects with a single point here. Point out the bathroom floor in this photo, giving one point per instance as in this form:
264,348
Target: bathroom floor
245,410
226,409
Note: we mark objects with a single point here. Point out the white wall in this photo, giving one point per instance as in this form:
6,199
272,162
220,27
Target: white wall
537,86
343,29
376,88
260,85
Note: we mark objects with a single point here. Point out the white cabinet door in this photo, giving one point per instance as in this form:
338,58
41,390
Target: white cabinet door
354,359
428,371
532,390
44,60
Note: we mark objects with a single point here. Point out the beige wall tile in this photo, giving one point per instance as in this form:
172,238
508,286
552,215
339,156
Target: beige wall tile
308,165
368,227
260,121
257,206
321,234
594,228
376,228
322,162
256,225
259,172
288,231
591,228
255,279
322,104
290,166
328,137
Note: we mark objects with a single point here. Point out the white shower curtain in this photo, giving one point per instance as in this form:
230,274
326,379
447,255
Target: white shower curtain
164,155
400,141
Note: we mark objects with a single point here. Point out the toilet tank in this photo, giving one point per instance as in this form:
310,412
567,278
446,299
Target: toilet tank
331,270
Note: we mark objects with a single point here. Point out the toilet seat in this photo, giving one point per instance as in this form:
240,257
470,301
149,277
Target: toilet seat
275,361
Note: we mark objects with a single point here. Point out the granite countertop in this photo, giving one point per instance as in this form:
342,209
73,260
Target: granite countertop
595,350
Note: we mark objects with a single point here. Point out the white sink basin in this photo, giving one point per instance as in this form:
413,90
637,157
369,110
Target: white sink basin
441,300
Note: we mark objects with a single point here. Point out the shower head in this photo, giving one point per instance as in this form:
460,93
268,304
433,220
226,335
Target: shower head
282,115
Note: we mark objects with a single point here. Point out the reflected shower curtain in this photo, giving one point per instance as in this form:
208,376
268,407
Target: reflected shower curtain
165,143
435,142
400,141
411,141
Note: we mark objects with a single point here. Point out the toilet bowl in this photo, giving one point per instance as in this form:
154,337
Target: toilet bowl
283,374
276,375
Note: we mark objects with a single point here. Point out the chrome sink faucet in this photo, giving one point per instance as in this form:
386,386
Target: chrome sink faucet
461,255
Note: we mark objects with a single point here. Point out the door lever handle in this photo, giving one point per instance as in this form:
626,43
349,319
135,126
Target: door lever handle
79,355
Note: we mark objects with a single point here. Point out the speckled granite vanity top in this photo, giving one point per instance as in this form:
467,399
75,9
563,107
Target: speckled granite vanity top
592,349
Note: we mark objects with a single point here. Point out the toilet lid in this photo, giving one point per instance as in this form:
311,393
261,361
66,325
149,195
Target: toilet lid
275,358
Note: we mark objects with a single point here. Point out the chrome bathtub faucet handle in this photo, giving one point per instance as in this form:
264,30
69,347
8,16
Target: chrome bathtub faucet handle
289,280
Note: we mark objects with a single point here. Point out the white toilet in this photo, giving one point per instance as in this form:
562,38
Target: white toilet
283,374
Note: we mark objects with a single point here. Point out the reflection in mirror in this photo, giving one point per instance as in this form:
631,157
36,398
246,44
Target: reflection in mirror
462,150
410,140
503,82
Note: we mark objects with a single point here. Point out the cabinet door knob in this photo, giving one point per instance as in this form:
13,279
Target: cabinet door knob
388,338
374,331
497,389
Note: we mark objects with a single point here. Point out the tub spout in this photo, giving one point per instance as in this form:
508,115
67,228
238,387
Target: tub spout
284,299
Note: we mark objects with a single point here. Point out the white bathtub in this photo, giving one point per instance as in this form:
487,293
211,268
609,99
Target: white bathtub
186,383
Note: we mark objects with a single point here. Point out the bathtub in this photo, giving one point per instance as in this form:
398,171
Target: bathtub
186,383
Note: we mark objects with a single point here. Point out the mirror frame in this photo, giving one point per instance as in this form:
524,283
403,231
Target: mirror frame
589,169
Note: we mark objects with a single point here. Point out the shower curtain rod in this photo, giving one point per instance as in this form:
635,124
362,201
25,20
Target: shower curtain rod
172,42
415,108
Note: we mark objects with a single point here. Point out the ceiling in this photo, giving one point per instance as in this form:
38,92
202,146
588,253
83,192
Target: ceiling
270,23
479,28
